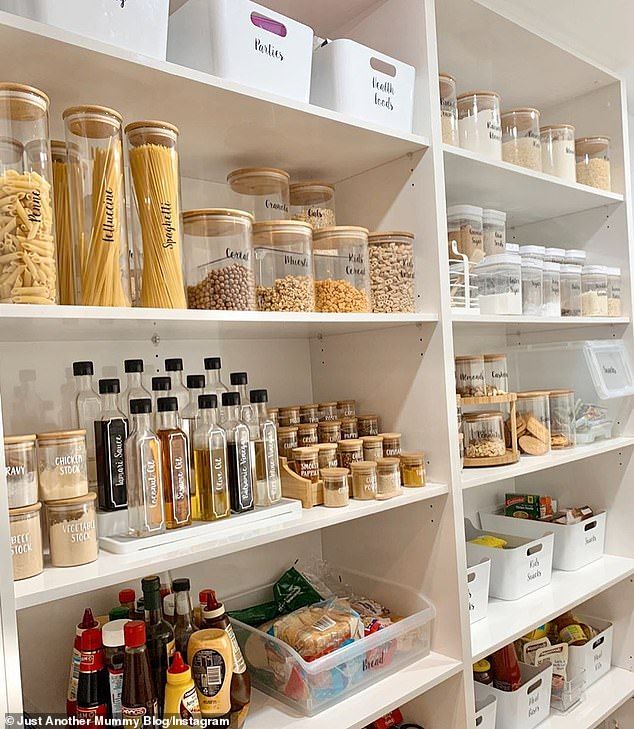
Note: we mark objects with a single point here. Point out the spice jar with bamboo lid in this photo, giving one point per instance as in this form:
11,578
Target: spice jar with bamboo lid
263,191
347,408
363,480
329,431
349,451
349,430
307,434
157,230
391,445
309,413
101,260
28,264
372,447
368,425
336,490
21,470
327,455
289,415
287,440
314,203
63,229
328,411
219,259
25,539
413,469
307,462
388,478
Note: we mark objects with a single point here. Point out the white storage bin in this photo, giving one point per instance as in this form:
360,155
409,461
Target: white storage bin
576,545
595,657
522,567
528,706
279,671
485,713
243,42
478,576
358,81
138,25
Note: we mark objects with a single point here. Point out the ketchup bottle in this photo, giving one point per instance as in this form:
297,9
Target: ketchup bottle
88,621
92,686
506,670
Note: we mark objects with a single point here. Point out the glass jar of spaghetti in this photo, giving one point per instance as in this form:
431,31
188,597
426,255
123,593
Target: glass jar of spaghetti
372,447
388,478
307,434
413,470
263,191
336,490
309,413
349,429
63,229
97,202
329,431
158,240
307,463
327,455
391,445
287,440
219,259
368,425
363,480
28,268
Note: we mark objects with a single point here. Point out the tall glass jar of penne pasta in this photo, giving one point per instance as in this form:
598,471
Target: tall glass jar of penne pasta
101,259
28,266
158,233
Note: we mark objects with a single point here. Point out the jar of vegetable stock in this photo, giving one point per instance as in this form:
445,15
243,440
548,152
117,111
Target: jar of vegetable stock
448,109
558,151
413,470
336,489
388,478
562,419
479,124
263,191
533,422
313,203
614,291
25,539
551,289
494,231
470,379
521,140
532,287
62,465
307,463
72,531
593,162
594,291
570,289
464,228
363,480
392,271
21,470
329,431
499,284
496,374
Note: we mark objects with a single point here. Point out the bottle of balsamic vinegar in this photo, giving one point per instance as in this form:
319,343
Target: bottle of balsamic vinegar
111,431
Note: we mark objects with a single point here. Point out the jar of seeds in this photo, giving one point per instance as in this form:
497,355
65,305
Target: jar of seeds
313,203
329,431
372,447
349,429
363,480
392,271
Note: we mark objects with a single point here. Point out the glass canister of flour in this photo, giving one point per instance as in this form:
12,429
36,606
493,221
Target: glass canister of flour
479,123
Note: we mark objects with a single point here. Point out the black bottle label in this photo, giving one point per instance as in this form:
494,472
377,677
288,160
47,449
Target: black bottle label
110,436
240,471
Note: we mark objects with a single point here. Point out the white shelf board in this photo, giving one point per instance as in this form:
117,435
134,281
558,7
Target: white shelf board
36,323
223,125
530,464
510,619
526,196
600,701
462,321
111,569
362,708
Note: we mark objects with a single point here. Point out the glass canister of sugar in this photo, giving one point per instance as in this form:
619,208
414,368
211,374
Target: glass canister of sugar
496,374
521,142
500,284
558,151
21,470
479,124
72,531
593,162
448,109
62,465
551,294
464,227
614,291
494,231
594,291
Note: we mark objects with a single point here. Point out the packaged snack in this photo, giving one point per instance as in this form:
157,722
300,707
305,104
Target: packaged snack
528,506
388,721
487,540
573,515
531,648
558,656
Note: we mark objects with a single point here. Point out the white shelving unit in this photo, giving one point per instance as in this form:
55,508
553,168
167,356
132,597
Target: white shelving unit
400,366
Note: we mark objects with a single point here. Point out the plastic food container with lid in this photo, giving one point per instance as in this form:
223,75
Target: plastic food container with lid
263,191
342,269
494,231
570,281
314,203
283,261
25,538
500,284
551,305
479,123
359,81
448,109
594,291
521,143
62,465
72,531
593,162
244,42
21,470
219,259
470,378
614,292
532,286
562,419
483,435
558,151
157,229
392,271
496,374
465,229
28,264
533,422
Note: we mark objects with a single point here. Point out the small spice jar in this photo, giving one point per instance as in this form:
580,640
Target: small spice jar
614,291
594,291
329,431
521,140
551,305
21,470
558,151
496,374
363,480
287,440
349,451
62,465
391,445
372,447
327,455
313,203
448,109
336,490
532,287
562,419
289,415
309,413
479,124
388,478
349,429
392,271
367,425
470,379
494,231
533,422
464,228
483,435
263,191
328,411
307,463
72,531
413,470
347,408
342,269
499,284
570,282
307,434
593,162
26,541
274,415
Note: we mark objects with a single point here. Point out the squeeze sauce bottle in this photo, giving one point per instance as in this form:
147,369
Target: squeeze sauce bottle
88,621
211,659
181,699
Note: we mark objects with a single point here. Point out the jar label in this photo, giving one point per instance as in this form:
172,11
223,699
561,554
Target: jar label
21,544
179,476
110,436
153,513
243,467
276,205
384,92
208,671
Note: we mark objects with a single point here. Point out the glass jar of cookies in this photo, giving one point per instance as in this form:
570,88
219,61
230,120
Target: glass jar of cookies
533,423
562,419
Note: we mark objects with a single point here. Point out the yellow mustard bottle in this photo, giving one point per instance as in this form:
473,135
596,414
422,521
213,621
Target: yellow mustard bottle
210,656
181,698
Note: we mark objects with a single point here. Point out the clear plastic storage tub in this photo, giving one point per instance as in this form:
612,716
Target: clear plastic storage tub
279,671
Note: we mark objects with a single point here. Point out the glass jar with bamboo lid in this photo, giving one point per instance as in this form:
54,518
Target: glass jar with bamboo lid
157,231
63,231
372,447
413,469
28,267
314,203
309,413
101,259
363,480
263,191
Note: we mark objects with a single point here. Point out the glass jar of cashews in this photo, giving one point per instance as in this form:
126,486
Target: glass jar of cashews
28,269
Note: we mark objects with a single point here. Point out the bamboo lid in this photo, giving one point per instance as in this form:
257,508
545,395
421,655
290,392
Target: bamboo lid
61,434
305,452
378,235
413,457
330,424
494,357
213,212
363,466
333,473
387,462
257,180
309,406
327,446
21,510
371,439
308,426
311,193
217,223
469,357
556,126
448,76
340,231
332,404
367,417
287,429
289,408
532,393
22,102
554,393
293,227
18,439
152,124
471,417
391,436
478,93
352,444
75,501
521,110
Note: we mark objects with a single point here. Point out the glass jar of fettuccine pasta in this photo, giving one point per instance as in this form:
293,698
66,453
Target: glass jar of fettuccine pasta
101,262
158,234
28,269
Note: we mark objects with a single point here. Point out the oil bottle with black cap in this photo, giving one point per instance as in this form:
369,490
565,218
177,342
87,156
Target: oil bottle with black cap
161,387
174,368
134,390
239,466
174,464
111,431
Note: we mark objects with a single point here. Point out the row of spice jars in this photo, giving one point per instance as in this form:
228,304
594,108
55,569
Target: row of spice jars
474,121
330,433
482,375
315,412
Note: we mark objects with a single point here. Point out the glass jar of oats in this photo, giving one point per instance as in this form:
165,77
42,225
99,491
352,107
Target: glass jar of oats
313,203
392,271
